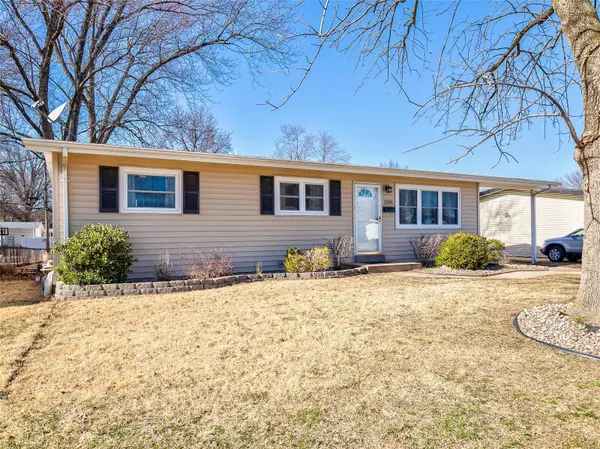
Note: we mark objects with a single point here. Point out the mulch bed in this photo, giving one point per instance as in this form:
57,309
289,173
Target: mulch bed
551,324
490,270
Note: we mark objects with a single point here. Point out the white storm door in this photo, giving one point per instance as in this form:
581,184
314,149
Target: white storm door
367,218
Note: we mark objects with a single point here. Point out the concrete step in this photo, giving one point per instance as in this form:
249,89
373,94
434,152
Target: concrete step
388,267
369,258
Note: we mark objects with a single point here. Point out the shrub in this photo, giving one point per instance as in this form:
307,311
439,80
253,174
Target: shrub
426,247
496,248
295,261
97,254
464,251
318,259
163,267
340,248
211,264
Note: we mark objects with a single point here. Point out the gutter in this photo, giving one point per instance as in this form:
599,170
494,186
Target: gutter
49,146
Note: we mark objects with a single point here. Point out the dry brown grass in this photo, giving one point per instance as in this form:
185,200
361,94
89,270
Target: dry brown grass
21,316
379,361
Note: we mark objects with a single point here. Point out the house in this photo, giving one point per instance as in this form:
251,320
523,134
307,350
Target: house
506,215
252,207
17,233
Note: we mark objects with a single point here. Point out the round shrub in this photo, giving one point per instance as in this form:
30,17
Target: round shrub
464,251
97,254
496,250
318,259
295,261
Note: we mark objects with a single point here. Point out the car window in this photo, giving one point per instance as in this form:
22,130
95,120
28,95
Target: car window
578,233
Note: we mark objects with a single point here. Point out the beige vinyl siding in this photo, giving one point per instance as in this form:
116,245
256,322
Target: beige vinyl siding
507,216
230,215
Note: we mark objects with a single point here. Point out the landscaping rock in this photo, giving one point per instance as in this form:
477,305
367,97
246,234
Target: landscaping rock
552,324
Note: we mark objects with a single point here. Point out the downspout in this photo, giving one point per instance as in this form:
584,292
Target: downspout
65,192
534,224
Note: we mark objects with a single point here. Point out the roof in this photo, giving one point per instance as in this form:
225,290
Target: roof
20,224
54,146
556,191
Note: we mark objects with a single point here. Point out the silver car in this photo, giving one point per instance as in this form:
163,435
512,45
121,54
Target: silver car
569,246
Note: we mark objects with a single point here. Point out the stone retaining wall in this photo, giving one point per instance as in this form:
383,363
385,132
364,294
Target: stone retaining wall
64,291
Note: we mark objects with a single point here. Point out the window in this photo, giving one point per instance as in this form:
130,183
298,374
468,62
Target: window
150,190
301,196
449,208
407,207
427,207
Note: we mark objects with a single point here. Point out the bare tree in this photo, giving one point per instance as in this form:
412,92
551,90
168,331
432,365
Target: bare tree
195,129
21,184
328,149
295,144
494,74
572,180
116,63
392,164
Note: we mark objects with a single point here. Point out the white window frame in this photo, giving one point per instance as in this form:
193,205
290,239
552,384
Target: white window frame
419,189
123,190
302,182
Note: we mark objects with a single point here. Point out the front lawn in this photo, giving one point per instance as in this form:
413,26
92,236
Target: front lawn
377,361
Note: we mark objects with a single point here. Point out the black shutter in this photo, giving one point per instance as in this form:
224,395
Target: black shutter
109,189
191,192
267,195
335,197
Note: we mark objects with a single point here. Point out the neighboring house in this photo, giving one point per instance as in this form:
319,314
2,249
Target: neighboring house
506,215
24,234
254,208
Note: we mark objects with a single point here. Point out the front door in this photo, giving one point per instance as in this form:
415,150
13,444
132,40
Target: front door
367,218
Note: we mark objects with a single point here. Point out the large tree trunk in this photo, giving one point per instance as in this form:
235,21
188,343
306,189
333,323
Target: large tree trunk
580,24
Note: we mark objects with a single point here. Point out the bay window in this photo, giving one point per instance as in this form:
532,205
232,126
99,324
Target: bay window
427,207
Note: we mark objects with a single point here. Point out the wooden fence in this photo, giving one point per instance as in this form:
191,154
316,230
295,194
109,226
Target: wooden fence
20,256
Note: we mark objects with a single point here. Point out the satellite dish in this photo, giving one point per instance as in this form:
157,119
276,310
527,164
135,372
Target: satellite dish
53,116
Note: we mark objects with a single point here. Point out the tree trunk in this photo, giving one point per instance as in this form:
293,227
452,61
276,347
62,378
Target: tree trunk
580,24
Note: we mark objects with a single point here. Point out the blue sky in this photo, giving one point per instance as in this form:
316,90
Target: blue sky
373,123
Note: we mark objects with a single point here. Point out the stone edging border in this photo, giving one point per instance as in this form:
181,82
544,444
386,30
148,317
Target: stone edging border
70,292
560,348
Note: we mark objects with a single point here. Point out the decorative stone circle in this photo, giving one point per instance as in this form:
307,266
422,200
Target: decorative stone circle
551,324
65,291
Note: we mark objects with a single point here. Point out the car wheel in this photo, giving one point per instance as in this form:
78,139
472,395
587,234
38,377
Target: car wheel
556,254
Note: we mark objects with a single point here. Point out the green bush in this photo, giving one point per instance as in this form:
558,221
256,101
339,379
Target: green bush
97,254
496,250
316,259
464,251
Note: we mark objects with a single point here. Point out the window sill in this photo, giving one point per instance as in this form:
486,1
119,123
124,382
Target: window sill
302,214
151,211
423,227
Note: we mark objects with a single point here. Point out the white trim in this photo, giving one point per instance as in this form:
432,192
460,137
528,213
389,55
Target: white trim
356,185
124,209
302,192
419,189
65,191
48,146
533,229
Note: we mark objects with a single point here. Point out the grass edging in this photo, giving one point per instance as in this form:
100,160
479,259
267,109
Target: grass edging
65,291
560,348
